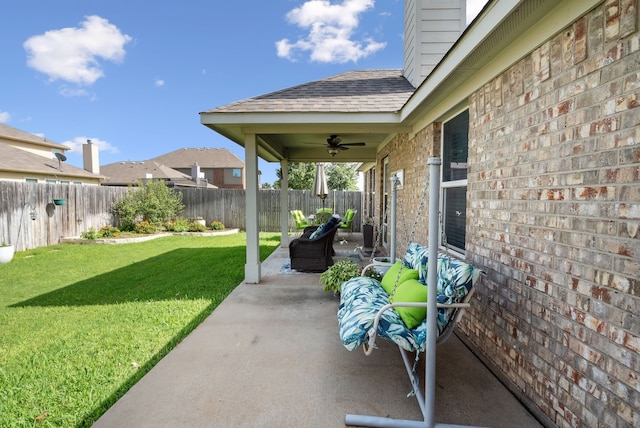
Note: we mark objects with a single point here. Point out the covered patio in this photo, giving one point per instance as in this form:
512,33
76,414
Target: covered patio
270,356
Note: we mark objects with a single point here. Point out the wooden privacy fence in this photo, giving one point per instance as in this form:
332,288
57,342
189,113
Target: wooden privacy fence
87,206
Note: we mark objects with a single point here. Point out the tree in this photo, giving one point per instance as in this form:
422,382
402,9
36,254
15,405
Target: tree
152,201
340,176
301,175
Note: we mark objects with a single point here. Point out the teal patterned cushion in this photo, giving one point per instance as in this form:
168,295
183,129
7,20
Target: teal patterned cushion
325,227
362,297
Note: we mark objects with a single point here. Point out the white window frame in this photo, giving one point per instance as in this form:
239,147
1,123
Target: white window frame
444,185
386,201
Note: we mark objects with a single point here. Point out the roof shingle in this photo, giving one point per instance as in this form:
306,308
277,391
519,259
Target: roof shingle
353,91
205,157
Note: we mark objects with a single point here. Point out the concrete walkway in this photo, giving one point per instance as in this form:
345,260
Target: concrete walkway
270,356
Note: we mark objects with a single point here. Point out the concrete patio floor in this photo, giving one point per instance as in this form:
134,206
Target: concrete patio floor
270,356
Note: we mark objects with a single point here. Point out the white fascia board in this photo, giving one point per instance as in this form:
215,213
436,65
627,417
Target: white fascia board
258,119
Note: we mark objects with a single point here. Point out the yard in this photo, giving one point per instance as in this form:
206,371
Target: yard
81,324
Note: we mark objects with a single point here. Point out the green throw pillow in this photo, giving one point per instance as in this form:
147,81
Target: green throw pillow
410,290
389,279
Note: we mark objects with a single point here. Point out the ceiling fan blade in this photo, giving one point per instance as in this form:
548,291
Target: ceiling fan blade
353,144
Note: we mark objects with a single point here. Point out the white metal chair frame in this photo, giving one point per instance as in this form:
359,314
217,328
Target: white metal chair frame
426,401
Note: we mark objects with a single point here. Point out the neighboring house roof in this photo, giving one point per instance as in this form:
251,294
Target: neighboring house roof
205,157
126,173
12,134
22,161
353,91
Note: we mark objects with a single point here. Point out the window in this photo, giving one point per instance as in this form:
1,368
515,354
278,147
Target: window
370,194
31,180
386,200
237,172
455,139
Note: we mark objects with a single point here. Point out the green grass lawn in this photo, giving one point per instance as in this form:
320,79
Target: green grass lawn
81,324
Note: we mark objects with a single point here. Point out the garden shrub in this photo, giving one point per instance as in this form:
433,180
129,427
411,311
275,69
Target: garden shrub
145,227
152,202
216,225
108,231
92,233
196,227
180,224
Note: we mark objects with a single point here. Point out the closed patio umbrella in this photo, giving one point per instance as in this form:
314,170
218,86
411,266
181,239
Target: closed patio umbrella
320,188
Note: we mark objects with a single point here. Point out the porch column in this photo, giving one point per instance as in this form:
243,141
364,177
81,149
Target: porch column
252,266
284,204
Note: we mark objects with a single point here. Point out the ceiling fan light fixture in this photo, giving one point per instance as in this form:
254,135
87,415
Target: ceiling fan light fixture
333,151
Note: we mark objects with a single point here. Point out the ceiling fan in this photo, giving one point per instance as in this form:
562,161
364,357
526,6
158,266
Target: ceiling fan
334,145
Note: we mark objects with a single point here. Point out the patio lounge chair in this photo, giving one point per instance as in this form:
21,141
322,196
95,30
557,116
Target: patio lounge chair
300,219
347,222
313,251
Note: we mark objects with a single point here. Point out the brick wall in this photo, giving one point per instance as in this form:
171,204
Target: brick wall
410,155
554,220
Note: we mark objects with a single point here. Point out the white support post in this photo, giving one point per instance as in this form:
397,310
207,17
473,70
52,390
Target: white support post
432,296
394,203
252,267
284,204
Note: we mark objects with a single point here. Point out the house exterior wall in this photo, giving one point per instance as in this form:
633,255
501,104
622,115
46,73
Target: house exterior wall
553,218
409,155
431,28
221,177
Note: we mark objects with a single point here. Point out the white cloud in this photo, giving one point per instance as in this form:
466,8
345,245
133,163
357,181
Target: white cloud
68,92
4,116
158,82
72,54
77,142
330,32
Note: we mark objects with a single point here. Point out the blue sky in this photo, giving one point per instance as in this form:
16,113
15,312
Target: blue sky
132,75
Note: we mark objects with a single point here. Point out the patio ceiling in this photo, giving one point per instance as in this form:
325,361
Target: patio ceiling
308,143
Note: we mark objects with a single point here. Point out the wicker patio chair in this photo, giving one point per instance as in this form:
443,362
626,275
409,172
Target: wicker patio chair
313,253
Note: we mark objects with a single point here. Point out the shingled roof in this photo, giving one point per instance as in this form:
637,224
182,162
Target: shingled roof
353,91
205,157
13,159
129,172
12,134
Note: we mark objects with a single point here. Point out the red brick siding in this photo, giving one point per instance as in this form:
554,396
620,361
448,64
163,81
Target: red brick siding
554,220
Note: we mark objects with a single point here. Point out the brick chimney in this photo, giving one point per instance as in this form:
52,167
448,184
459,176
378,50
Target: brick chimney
195,173
90,158
431,27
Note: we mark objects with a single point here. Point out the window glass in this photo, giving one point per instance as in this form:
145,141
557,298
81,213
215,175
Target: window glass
236,172
455,144
455,213
455,148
